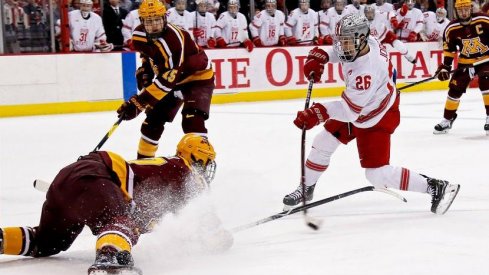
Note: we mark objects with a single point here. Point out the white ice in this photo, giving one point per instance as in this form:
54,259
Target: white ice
258,163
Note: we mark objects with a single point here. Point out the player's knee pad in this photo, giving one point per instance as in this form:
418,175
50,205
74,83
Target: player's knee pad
455,93
323,147
193,121
152,131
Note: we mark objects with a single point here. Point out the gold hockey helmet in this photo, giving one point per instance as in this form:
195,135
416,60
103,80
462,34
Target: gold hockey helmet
463,3
151,8
199,153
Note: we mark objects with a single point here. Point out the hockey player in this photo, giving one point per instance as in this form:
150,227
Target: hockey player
179,16
434,25
468,35
87,32
118,201
354,7
231,28
324,18
202,27
129,24
410,22
368,112
378,28
382,6
267,28
329,20
302,25
174,71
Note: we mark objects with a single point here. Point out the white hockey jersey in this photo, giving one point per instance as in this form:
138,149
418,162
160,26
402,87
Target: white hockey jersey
413,22
352,9
183,21
329,20
205,24
380,25
370,90
233,30
386,7
85,32
129,24
268,28
303,26
432,29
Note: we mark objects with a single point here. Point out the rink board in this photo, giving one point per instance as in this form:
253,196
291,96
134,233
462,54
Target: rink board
69,83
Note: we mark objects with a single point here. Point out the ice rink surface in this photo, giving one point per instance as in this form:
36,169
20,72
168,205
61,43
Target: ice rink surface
258,156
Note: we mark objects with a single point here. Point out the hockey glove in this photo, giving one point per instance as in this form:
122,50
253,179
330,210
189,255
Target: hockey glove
144,76
103,46
403,10
394,23
443,72
291,41
318,40
311,117
198,32
314,65
211,43
257,41
221,43
282,41
248,45
402,25
131,108
413,37
327,40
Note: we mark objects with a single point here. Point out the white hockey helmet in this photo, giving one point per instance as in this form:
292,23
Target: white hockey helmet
85,8
351,36
180,6
370,12
339,6
410,4
202,6
304,5
271,6
233,7
441,14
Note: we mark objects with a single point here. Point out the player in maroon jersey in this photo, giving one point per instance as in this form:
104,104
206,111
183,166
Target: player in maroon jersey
470,34
175,71
117,200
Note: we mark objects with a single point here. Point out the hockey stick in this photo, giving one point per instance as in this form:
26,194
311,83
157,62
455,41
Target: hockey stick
312,223
109,133
316,203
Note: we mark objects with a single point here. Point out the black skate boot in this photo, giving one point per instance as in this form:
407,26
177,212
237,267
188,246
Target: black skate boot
444,126
442,195
295,197
486,126
110,261
1,241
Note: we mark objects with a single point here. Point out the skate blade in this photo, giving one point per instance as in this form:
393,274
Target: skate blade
450,194
436,132
116,271
288,208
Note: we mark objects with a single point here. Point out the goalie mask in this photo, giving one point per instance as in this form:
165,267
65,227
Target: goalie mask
199,153
351,36
86,8
152,14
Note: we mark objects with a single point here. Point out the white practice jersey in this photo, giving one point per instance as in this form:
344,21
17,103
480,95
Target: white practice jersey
85,32
352,9
303,26
380,25
233,30
414,23
329,20
369,92
386,7
129,24
432,29
268,28
184,21
206,24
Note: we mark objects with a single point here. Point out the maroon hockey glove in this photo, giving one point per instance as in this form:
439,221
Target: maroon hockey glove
144,76
248,45
211,43
221,43
282,41
131,108
413,37
291,41
403,10
443,72
311,117
315,64
257,41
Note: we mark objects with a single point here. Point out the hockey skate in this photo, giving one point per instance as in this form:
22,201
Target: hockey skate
110,261
442,195
486,126
444,126
295,197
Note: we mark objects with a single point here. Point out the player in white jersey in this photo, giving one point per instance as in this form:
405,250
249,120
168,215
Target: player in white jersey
410,22
434,25
328,22
86,29
379,22
231,29
202,29
324,32
301,27
381,5
354,7
267,28
128,25
179,16
368,112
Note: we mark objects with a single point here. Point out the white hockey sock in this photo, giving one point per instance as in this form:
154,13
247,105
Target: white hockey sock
317,162
401,47
397,177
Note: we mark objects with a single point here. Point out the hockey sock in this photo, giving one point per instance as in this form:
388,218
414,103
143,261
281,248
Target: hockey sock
317,162
115,239
485,97
17,240
451,106
396,177
147,147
